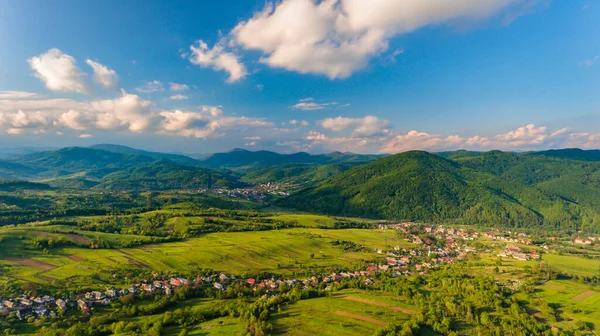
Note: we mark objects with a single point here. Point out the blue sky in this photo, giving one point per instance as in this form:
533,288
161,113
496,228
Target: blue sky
291,75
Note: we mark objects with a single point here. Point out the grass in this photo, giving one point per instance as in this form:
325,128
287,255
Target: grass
335,315
577,301
307,220
573,264
281,251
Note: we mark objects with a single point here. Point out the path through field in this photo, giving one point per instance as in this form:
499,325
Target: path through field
380,304
360,317
40,265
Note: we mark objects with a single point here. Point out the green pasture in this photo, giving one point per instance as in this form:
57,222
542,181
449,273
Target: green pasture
577,301
571,264
325,316
281,251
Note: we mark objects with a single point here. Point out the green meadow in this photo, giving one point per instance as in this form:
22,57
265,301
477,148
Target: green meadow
281,251
347,312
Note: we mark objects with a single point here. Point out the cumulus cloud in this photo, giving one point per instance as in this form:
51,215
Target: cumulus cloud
338,37
85,136
217,58
419,141
178,87
18,122
178,97
367,126
128,111
104,76
12,95
250,144
205,122
151,87
58,72
308,104
252,138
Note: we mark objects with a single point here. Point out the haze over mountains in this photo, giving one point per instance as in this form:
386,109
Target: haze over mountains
557,188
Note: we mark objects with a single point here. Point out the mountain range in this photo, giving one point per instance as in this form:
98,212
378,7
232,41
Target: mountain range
554,188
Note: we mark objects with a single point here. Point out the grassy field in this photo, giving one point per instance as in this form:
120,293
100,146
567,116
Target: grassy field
284,251
573,264
348,312
577,302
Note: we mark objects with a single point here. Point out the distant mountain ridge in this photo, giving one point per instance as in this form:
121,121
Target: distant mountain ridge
241,158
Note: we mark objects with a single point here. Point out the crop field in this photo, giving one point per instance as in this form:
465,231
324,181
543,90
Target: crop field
573,264
577,301
284,251
348,312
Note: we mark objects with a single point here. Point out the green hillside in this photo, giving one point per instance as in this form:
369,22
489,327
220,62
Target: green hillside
422,186
296,173
71,160
181,159
166,175
241,158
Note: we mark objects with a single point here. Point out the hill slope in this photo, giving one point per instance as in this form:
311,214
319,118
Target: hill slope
422,186
166,175
182,159
241,158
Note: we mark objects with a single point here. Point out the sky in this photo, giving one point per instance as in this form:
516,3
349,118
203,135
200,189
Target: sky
363,76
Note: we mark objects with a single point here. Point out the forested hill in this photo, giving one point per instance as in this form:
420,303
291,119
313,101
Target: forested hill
472,189
166,175
241,158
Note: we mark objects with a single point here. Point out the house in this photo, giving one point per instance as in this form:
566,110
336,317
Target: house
41,311
61,304
223,277
8,304
111,293
251,281
24,312
218,286
168,291
98,295
148,287
83,306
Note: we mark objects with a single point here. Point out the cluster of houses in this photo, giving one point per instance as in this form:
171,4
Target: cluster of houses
586,241
257,192
515,252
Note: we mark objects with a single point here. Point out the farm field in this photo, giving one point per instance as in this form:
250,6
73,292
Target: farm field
348,312
577,301
284,251
573,264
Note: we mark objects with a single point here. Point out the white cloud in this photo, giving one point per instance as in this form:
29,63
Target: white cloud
590,61
85,136
178,97
18,122
218,59
151,87
338,37
304,123
250,144
178,87
205,122
367,126
104,76
58,71
252,138
419,141
128,111
308,104
12,95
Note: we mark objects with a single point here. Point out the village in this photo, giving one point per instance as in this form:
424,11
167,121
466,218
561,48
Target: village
437,245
